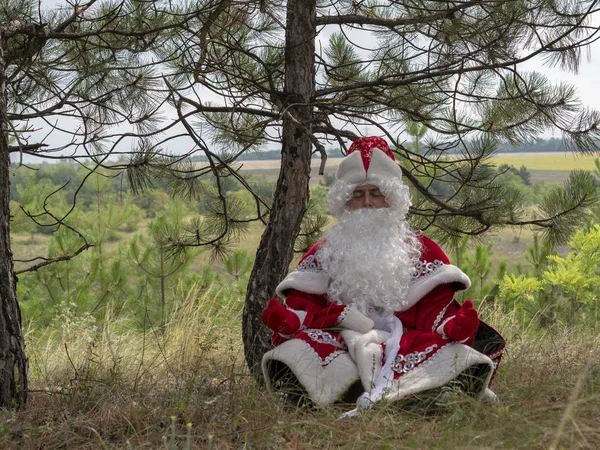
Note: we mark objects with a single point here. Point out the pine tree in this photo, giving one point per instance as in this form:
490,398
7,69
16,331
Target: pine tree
241,76
74,74
155,261
452,67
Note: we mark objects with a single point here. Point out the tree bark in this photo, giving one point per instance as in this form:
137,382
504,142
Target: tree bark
13,363
276,248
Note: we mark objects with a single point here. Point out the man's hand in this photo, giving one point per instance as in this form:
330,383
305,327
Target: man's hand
463,325
278,318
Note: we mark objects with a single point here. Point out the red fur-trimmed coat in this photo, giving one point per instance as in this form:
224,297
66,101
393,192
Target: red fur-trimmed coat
335,344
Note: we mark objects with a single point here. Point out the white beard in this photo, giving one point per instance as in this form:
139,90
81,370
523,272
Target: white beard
370,256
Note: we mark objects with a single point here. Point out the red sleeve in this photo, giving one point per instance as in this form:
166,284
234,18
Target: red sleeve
322,315
431,310
301,301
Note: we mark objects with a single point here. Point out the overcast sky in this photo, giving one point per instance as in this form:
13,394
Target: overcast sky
587,80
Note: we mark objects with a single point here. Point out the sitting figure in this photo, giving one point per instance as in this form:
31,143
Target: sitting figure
369,311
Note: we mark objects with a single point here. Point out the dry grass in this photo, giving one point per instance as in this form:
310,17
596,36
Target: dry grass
27,246
103,387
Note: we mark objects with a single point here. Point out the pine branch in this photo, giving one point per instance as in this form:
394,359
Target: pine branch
357,19
60,222
26,148
48,261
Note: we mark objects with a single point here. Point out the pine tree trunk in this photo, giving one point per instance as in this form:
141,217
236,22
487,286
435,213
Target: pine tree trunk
13,363
276,248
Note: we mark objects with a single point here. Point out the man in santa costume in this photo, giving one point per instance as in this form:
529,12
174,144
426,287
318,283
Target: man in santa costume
370,312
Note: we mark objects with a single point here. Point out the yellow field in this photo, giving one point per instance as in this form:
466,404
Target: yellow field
546,161
533,161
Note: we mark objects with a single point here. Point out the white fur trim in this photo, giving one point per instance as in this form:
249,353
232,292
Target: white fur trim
382,167
440,329
351,169
435,372
357,321
308,282
366,351
324,383
384,374
489,396
301,316
442,275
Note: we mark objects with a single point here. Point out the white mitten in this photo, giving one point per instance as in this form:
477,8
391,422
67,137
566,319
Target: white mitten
367,353
355,320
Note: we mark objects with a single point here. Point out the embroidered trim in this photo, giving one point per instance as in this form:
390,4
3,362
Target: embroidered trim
496,354
405,363
343,315
330,357
309,264
496,357
323,337
425,269
289,336
440,316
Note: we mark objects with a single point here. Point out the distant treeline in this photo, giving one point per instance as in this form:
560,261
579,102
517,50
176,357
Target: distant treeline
265,155
541,145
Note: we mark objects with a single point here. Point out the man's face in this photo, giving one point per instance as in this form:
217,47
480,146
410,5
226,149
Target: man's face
367,196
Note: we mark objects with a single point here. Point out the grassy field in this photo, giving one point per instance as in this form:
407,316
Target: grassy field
187,387
509,245
549,176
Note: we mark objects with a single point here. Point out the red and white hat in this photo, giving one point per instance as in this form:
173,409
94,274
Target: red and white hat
369,161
